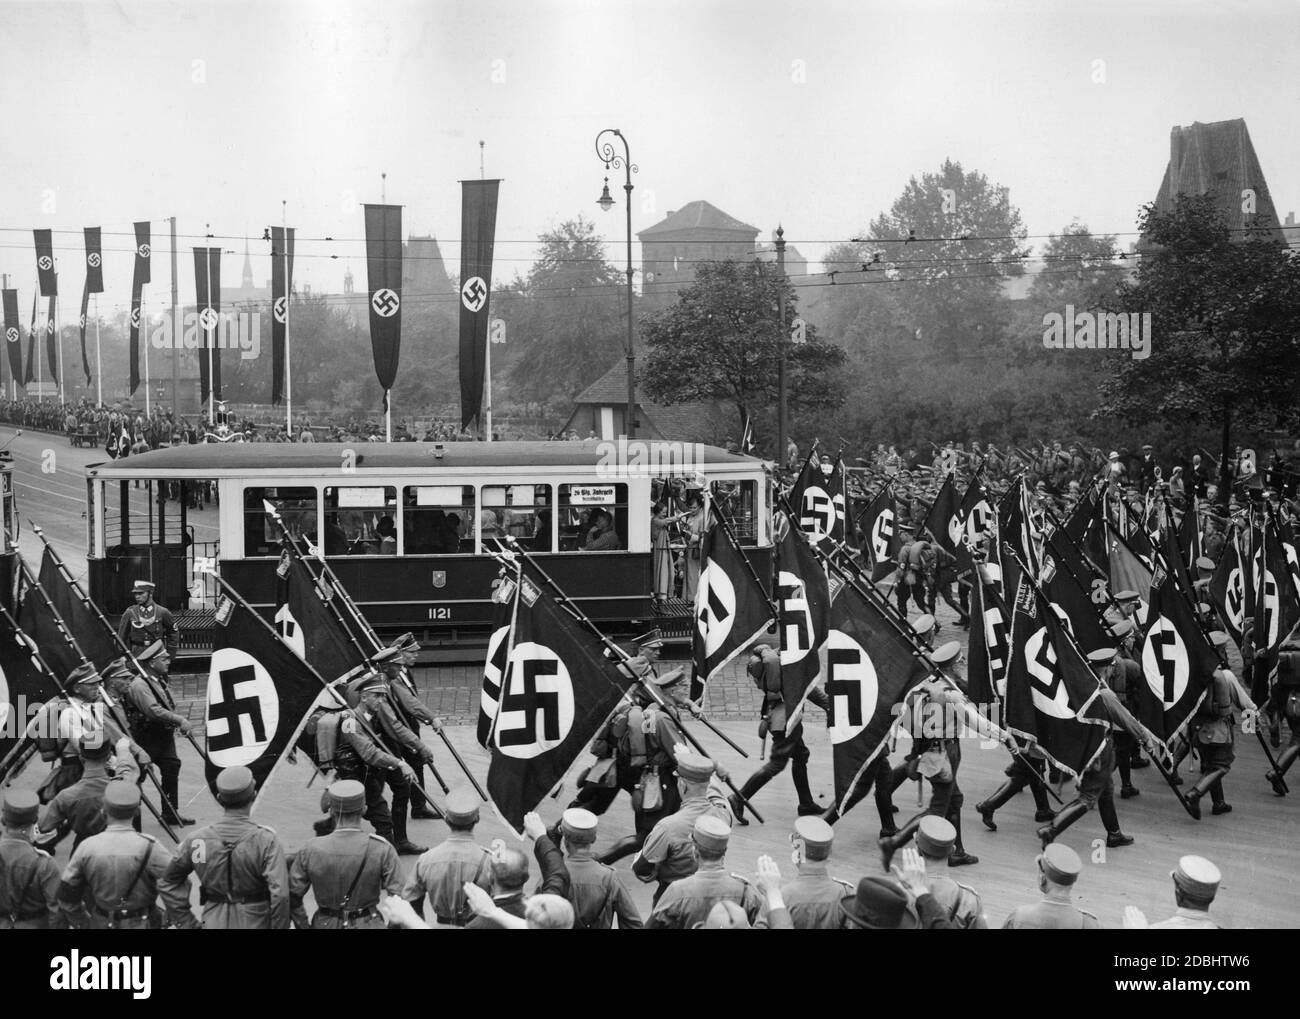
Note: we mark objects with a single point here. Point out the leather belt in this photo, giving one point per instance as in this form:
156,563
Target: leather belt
222,901
348,914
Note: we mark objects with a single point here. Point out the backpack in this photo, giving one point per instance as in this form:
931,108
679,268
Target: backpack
320,736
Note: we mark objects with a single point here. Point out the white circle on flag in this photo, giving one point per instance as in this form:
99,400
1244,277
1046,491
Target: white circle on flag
281,309
1045,686
93,259
142,251
385,302
536,709
11,334
882,531
45,263
851,685
208,318
1267,585
818,513
243,709
796,618
1235,598
1164,662
978,522
474,293
715,607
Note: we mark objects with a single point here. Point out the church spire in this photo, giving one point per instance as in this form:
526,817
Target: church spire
247,282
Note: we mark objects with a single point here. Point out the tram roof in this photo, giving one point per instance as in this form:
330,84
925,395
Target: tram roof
207,460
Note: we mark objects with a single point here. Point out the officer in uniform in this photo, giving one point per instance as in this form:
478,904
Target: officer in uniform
689,900
346,870
1214,739
152,727
1115,673
146,621
241,866
933,704
595,890
29,877
360,758
1196,882
911,576
669,850
411,711
935,839
80,807
114,879
812,896
1059,868
787,740
65,722
636,751
443,871
1286,698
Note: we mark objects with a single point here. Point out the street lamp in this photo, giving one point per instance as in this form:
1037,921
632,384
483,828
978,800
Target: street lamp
607,153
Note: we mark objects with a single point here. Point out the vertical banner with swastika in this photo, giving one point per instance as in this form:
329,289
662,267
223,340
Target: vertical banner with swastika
51,342
139,277
478,224
803,601
94,285
49,282
1048,681
1069,587
1276,607
281,295
207,302
31,345
384,275
818,499
881,537
557,691
870,667
944,519
1228,587
987,654
13,335
259,693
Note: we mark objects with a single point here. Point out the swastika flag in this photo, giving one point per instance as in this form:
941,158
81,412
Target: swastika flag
1177,662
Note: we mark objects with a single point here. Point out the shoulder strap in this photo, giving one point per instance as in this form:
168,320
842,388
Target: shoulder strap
139,872
356,878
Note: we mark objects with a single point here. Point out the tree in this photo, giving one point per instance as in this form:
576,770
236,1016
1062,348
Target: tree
1225,323
720,342
567,316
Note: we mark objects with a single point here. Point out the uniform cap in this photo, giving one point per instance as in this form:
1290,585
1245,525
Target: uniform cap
1197,876
1113,455
935,837
878,904
1218,638
85,673
121,799
816,836
235,787
118,668
21,807
946,654
923,624
694,768
653,638
461,806
1121,628
143,585
1102,656
372,683
347,796
1205,564
711,833
1127,595
1060,864
152,651
579,825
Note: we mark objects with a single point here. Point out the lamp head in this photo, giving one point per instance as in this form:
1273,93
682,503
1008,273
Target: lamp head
605,201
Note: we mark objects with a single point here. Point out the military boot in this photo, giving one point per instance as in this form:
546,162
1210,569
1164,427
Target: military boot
1064,817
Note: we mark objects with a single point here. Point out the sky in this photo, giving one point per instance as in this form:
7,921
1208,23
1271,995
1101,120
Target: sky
812,114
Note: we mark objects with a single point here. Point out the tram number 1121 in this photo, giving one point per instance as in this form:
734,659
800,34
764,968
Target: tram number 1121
443,612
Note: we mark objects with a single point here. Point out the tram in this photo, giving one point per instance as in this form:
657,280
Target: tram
405,525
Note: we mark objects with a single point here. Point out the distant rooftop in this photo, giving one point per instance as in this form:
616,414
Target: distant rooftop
698,215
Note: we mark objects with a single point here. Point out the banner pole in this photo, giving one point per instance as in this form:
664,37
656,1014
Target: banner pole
288,290
99,371
144,342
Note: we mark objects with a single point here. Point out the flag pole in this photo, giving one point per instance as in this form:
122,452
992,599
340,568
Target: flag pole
288,292
144,342
99,371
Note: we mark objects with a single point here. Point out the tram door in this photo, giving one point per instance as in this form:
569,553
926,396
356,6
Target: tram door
147,535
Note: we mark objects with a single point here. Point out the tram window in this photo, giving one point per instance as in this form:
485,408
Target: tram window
580,509
361,521
521,511
438,519
739,501
297,508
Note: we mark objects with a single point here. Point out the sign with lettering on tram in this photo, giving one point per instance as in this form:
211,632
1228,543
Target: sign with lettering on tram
591,495
362,498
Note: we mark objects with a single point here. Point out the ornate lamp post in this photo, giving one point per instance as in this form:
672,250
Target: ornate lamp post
608,154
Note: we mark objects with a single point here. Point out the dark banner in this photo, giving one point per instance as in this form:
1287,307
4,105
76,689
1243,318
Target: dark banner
880,535
384,273
478,225
51,343
94,261
139,278
803,599
32,363
731,610
13,335
818,499
281,293
49,282
81,326
207,289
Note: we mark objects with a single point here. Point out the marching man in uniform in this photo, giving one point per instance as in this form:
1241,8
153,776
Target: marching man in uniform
153,727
